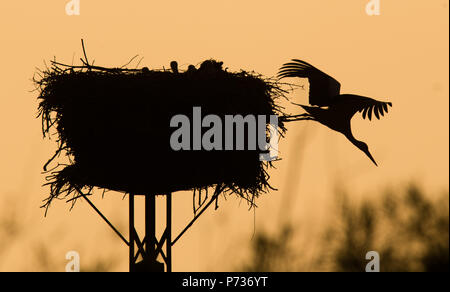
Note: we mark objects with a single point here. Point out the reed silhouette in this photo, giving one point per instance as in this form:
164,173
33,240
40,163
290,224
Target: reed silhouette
409,228
325,92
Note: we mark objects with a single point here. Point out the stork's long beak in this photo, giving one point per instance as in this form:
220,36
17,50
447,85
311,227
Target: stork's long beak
370,156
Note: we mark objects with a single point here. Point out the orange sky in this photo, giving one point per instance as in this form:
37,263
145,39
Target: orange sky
400,56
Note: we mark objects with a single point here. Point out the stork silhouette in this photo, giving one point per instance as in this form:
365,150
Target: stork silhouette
174,67
331,108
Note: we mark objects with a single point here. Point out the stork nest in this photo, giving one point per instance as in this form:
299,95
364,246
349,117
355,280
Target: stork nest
112,124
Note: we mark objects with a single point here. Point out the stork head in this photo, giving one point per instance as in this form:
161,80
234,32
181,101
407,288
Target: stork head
364,148
174,66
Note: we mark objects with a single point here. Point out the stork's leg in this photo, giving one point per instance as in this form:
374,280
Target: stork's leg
287,118
302,117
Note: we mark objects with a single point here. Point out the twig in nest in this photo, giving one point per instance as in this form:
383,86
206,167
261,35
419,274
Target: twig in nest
131,60
85,56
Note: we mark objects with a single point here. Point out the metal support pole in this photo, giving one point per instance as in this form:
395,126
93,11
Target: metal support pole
150,248
131,230
150,228
169,232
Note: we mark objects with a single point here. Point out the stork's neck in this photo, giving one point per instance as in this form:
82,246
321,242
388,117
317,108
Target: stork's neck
352,139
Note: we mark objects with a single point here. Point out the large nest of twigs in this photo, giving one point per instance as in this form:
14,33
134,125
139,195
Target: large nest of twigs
113,125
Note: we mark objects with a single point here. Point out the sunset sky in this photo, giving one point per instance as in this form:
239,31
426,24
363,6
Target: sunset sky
399,56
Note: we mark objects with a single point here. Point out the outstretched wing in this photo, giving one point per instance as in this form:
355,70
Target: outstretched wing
322,87
351,104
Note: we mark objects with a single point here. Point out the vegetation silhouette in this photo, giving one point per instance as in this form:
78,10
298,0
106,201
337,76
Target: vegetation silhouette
40,255
409,230
325,92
